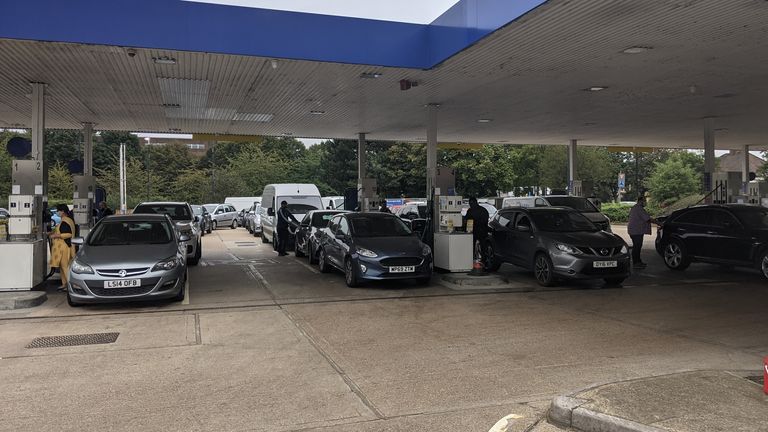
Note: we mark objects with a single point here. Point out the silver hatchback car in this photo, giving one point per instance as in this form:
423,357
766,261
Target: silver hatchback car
129,258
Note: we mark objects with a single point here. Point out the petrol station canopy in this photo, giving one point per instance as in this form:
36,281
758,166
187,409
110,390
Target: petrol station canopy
604,72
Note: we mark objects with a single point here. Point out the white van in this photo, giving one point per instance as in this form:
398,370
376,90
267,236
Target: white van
242,203
333,203
301,198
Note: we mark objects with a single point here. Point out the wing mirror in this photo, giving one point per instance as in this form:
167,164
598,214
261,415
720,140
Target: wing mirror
78,241
197,218
183,238
270,211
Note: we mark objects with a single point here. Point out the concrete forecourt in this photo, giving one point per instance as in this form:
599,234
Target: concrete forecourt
267,343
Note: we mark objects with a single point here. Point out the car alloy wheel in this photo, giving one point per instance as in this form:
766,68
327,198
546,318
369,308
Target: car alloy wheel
321,262
492,262
764,265
215,224
675,257
542,270
349,273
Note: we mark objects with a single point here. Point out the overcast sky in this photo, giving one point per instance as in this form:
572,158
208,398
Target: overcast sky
412,11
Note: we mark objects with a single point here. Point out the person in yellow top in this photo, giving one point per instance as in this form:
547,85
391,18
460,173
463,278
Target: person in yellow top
62,249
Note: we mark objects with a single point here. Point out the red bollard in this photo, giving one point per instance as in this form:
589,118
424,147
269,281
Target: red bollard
765,375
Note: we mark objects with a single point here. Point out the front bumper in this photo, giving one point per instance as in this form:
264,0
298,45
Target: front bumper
583,266
372,269
89,288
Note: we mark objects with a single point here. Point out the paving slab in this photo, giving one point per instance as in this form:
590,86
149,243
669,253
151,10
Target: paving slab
709,400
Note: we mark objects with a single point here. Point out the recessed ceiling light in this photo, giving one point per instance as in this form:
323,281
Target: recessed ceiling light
484,120
636,50
371,75
174,130
317,112
164,60
595,88
170,105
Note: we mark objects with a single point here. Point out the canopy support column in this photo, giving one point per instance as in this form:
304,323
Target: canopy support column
709,155
572,174
361,173
87,149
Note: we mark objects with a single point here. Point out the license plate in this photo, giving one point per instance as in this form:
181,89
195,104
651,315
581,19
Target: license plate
122,283
402,269
605,264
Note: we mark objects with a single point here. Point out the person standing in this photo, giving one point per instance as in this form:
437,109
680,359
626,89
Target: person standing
383,208
639,225
103,211
284,220
62,249
479,216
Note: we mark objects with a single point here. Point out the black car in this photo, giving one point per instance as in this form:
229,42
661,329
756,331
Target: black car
307,234
556,243
206,224
729,234
373,246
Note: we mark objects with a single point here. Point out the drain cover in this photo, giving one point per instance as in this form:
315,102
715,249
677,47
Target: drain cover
73,340
757,378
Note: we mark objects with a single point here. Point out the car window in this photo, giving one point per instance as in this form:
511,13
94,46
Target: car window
377,226
231,209
320,220
561,221
697,217
115,233
343,226
576,203
721,218
540,203
333,224
178,212
305,220
522,220
505,219
753,217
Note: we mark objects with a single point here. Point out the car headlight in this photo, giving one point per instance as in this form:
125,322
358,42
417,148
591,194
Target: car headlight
426,250
166,264
80,268
567,249
624,249
366,253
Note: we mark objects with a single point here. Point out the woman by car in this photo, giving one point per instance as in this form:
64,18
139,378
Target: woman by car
62,249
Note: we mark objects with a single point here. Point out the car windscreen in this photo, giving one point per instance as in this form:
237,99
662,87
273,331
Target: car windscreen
113,233
372,226
210,208
301,204
197,210
576,203
562,221
320,220
178,212
756,218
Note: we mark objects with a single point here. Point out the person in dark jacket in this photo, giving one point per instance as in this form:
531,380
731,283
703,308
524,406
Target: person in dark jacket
103,211
284,220
479,216
383,207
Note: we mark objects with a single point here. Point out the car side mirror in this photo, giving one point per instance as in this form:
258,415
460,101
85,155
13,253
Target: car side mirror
197,218
183,238
219,211
524,228
78,241
270,211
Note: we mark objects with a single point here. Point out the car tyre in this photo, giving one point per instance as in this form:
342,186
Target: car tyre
614,281
675,256
198,253
234,224
543,270
71,302
350,275
214,224
322,262
182,292
297,250
208,228
263,237
492,261
763,264
312,255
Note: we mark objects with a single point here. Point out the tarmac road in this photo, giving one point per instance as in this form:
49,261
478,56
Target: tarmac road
268,343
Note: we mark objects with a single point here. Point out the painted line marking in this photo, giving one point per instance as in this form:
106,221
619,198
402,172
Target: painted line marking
312,269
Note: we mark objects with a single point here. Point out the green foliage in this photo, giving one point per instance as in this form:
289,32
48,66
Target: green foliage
400,169
616,212
141,185
60,185
167,162
672,180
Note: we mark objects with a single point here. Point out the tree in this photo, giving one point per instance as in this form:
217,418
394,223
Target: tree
481,172
137,179
62,146
192,186
167,162
400,169
338,165
672,180
593,165
60,185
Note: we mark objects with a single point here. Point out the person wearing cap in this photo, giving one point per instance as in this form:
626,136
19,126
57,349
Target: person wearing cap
284,220
638,226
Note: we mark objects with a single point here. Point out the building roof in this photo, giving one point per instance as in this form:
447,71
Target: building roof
732,161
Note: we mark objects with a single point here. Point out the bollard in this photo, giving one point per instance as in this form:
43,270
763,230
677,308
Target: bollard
765,375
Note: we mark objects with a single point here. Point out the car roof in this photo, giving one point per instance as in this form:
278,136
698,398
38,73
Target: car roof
353,215
334,211
136,217
162,203
538,209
